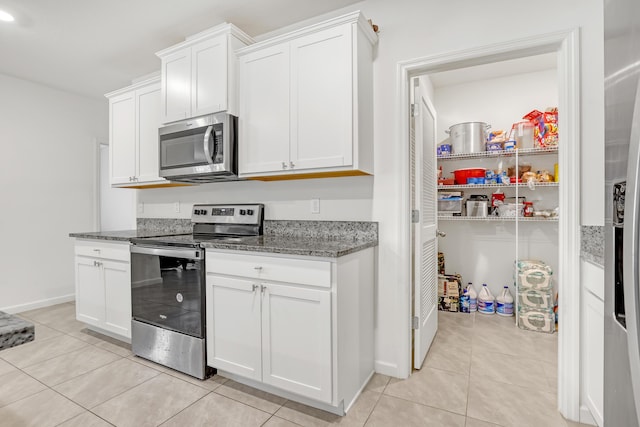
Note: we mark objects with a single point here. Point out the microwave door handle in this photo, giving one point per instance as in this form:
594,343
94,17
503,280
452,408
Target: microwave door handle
207,152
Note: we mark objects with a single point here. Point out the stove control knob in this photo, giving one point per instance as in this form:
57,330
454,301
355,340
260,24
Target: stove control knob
243,212
196,211
249,211
203,212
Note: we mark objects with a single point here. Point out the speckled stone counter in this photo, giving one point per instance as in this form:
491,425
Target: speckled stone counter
326,248
147,227
592,244
14,331
330,239
120,235
311,238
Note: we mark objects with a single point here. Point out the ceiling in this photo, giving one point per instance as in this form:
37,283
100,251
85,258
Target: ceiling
494,70
91,47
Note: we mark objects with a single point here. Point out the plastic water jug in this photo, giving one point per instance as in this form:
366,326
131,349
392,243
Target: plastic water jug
486,302
473,298
504,306
464,302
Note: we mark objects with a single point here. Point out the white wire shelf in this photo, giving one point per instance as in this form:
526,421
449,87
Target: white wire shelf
519,185
496,218
501,153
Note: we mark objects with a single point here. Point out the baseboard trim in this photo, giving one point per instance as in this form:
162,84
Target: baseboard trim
586,417
38,304
386,368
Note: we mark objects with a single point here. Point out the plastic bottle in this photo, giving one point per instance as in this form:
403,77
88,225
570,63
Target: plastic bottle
504,306
473,298
464,302
486,302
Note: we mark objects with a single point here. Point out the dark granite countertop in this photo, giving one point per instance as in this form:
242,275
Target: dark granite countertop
329,248
121,235
327,239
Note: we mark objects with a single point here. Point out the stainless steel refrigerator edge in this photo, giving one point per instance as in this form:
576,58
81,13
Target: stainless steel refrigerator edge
622,133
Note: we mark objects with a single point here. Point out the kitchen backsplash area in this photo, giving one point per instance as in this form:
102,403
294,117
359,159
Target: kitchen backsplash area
338,199
592,244
168,225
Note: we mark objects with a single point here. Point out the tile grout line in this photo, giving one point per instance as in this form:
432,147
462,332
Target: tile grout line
183,409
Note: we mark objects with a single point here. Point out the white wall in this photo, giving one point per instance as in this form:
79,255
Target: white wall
344,199
411,29
48,175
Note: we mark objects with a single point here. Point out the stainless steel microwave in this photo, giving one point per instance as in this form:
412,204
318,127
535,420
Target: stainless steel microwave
199,150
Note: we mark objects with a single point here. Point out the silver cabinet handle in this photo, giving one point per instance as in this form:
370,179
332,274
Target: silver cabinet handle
258,268
291,165
96,250
440,233
284,165
255,287
262,288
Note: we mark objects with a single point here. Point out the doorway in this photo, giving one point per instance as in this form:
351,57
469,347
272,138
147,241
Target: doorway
565,46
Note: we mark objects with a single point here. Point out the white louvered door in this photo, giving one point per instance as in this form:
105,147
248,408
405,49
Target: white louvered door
425,277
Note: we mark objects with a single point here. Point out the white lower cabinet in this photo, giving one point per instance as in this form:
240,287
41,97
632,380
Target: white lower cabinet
103,286
310,341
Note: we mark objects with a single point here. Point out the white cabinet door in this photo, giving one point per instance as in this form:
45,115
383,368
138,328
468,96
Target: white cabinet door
176,86
209,76
264,110
233,326
594,354
148,114
122,138
89,291
322,99
117,297
296,340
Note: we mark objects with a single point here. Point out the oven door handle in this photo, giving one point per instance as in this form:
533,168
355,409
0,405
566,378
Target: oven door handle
196,254
207,152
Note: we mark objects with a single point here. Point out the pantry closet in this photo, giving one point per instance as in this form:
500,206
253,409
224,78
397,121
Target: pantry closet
483,249
483,245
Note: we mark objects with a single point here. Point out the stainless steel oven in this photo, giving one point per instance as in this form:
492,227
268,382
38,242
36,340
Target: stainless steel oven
167,298
168,285
203,149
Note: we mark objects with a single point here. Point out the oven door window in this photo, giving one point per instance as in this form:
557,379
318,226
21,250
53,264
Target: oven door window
189,148
168,292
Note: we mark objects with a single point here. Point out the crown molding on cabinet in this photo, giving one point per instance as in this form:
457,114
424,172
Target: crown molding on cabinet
355,18
155,78
224,28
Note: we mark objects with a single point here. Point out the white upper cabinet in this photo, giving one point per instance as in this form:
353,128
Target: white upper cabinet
306,102
322,101
134,118
199,75
265,110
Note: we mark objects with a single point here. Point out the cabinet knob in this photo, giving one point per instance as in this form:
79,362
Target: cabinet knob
258,268
255,287
291,165
284,165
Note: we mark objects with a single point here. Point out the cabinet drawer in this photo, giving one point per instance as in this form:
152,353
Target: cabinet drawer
301,271
92,248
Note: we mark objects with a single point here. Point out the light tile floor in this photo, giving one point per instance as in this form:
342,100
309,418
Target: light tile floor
480,372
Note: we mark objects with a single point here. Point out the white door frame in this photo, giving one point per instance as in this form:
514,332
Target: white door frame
567,46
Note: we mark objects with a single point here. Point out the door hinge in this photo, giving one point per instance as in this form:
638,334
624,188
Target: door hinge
414,110
415,322
415,216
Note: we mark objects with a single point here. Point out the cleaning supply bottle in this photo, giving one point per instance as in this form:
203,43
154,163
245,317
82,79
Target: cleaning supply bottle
504,306
464,302
473,298
486,302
